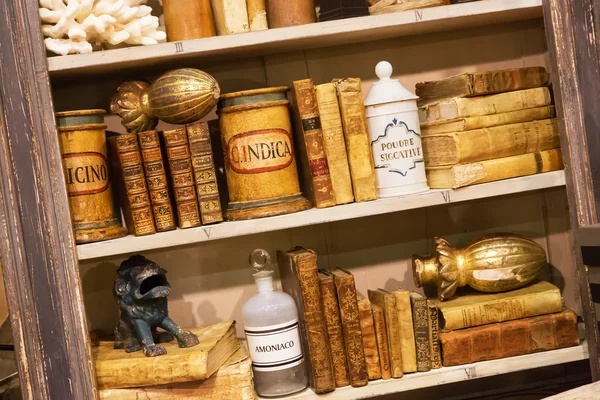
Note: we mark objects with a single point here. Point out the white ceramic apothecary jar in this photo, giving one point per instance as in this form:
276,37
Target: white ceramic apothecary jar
395,136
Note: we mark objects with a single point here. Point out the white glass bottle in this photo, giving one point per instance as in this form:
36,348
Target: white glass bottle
271,325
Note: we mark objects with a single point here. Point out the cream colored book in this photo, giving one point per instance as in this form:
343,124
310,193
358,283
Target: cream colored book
387,302
477,308
407,332
231,16
487,143
456,176
488,121
335,145
448,110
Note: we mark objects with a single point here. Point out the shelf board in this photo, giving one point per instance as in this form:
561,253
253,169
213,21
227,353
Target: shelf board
315,216
589,235
447,375
323,34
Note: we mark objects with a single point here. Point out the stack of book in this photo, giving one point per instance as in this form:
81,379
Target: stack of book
487,126
165,179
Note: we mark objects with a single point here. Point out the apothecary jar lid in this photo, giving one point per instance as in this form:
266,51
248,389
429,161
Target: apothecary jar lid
387,90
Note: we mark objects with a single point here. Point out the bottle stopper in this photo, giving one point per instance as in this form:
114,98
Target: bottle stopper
260,262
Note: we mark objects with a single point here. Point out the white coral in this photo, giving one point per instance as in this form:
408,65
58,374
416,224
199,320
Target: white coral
80,26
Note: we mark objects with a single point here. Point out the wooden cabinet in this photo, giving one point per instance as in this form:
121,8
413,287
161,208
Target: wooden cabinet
58,291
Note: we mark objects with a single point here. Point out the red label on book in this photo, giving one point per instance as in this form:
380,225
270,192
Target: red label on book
260,151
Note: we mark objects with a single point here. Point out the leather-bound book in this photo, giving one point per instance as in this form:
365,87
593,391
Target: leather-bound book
481,83
300,279
511,338
367,328
290,13
457,176
407,332
335,144
500,141
382,341
310,145
334,329
204,173
231,16
182,177
387,302
346,291
126,162
156,179
339,9
434,335
358,144
187,20
421,324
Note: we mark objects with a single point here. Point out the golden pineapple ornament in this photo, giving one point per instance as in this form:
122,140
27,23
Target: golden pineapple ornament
493,263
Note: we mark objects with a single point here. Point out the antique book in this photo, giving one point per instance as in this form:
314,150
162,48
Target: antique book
434,335
511,338
481,83
126,163
367,327
457,176
115,368
407,332
387,302
290,13
358,144
478,308
257,15
335,147
182,177
488,121
422,338
233,381
333,320
393,6
187,20
310,145
382,341
486,143
449,110
346,291
231,16
156,179
300,279
339,9
204,173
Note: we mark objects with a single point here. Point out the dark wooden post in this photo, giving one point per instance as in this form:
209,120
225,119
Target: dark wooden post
573,44
36,242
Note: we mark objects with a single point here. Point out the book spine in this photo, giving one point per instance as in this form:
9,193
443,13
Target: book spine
508,339
346,292
335,147
369,339
204,173
231,16
524,306
135,188
288,13
257,15
156,179
186,20
422,342
407,332
182,177
387,302
358,144
382,341
334,329
434,335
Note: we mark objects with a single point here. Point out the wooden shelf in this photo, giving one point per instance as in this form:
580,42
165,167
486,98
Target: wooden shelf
324,34
589,236
314,216
461,373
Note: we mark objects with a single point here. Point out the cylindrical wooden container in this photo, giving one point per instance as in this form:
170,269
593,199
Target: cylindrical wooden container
83,148
188,19
260,163
282,13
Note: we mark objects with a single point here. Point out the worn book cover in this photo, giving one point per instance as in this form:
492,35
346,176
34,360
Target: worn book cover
382,341
346,292
367,327
434,335
407,333
457,176
511,338
358,143
481,83
448,110
335,144
300,279
231,16
486,143
387,302
476,308
422,338
204,173
333,320
310,145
